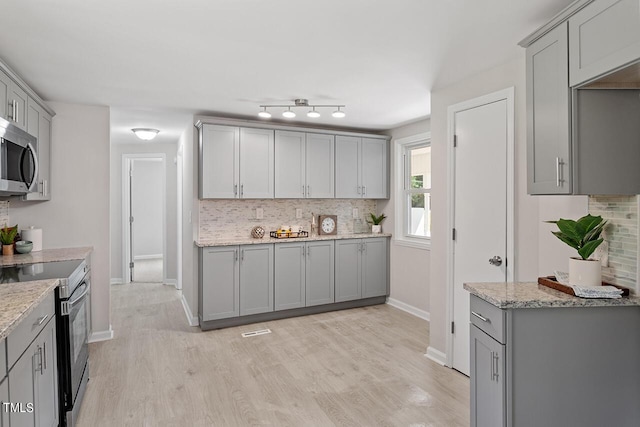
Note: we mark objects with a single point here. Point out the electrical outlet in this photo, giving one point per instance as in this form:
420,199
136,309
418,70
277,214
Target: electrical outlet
355,213
298,213
259,213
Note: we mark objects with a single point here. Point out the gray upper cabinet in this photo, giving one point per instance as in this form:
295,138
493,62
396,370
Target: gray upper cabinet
290,275
236,162
374,267
348,270
304,165
604,36
548,115
256,279
361,168
14,101
219,283
488,390
5,84
39,125
320,273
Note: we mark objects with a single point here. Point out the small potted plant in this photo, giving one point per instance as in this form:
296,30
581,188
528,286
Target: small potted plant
584,236
376,222
7,237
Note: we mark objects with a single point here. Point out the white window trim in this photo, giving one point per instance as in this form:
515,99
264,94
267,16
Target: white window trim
400,238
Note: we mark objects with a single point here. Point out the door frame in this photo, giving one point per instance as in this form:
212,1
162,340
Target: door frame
507,94
127,160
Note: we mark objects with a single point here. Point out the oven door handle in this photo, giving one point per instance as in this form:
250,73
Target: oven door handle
68,305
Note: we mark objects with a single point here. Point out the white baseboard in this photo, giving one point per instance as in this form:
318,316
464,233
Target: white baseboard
170,282
117,281
193,321
152,256
437,356
101,335
409,309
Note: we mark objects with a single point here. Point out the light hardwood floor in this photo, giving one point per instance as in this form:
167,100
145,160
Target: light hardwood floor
359,367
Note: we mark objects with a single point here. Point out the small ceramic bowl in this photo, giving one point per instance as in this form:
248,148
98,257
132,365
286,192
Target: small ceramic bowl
24,246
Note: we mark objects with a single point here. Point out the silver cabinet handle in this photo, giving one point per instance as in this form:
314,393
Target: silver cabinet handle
308,250
241,190
308,191
364,190
241,254
17,118
44,356
559,164
303,191
481,317
235,251
235,190
41,320
39,365
495,361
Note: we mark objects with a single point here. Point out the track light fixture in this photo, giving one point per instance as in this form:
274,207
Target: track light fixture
301,103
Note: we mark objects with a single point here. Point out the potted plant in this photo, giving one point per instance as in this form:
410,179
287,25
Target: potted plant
376,222
7,237
584,236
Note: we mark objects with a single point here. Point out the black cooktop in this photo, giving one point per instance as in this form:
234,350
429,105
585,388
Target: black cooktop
39,271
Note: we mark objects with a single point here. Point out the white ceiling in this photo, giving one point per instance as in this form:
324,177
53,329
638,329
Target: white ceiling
157,62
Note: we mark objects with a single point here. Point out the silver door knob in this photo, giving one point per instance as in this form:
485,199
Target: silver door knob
496,260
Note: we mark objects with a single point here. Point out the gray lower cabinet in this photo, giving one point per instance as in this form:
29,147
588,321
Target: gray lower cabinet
604,36
256,279
219,283
488,406
304,274
33,383
361,268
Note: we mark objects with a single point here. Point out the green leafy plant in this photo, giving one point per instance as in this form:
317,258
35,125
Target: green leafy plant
376,220
583,235
8,234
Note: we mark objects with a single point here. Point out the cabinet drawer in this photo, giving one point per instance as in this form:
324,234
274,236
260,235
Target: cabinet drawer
29,328
488,318
3,358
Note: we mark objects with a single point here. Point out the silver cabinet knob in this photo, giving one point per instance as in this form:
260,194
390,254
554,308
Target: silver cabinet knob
496,260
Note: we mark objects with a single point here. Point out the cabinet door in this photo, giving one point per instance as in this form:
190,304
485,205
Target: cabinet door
22,388
289,275
374,267
548,115
5,83
374,169
320,273
4,397
219,162
347,179
290,165
488,391
46,378
18,101
39,125
320,166
256,279
604,36
256,163
348,270
220,283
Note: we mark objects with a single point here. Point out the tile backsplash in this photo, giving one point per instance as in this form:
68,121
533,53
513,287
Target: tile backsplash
235,218
621,234
4,213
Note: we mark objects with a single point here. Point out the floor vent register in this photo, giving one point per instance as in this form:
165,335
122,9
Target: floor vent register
256,333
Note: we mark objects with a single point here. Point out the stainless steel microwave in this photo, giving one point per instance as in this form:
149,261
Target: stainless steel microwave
18,160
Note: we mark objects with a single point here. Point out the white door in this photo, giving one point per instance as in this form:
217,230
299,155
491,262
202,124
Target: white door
481,214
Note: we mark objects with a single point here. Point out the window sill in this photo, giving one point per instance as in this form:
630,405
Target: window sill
426,246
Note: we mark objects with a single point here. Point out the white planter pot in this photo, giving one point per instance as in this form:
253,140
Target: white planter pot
585,272
376,228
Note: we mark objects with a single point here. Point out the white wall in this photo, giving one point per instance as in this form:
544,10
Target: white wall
410,267
171,257
78,213
535,254
147,200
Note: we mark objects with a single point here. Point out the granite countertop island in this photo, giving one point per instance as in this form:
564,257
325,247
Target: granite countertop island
533,295
18,299
231,241
45,255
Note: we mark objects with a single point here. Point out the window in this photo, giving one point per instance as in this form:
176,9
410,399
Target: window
413,202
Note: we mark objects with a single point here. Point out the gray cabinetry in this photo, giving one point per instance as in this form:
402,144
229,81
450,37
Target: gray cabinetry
219,283
4,398
361,268
361,168
320,273
290,275
548,115
374,267
13,100
256,279
605,35
236,162
320,166
39,125
488,405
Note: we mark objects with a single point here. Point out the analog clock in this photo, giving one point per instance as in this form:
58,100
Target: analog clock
328,224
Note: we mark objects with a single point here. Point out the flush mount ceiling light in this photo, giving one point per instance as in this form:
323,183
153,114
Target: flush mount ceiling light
145,134
304,103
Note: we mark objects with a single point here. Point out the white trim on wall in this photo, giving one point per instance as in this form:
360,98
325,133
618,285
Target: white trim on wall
116,281
436,355
144,257
424,315
193,320
101,335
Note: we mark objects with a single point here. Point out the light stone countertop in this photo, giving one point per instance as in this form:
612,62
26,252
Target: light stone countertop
18,299
45,255
533,295
203,243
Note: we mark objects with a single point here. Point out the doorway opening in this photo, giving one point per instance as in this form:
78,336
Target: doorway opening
144,218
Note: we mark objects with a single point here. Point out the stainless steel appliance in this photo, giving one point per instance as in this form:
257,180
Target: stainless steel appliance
18,160
72,326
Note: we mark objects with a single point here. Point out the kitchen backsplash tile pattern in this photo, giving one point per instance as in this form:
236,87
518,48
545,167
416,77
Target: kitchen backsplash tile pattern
621,236
235,218
4,213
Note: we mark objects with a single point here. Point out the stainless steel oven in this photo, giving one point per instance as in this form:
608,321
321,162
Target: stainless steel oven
18,160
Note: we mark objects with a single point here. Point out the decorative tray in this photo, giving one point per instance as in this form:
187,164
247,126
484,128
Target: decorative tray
288,234
550,282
